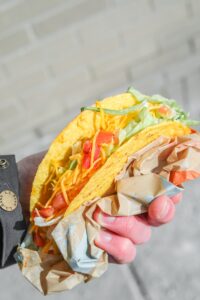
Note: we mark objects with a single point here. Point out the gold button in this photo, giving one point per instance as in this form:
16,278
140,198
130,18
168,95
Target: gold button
8,200
4,163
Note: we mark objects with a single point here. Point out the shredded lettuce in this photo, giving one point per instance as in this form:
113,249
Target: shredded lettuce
178,113
145,119
139,96
72,164
122,136
191,122
124,111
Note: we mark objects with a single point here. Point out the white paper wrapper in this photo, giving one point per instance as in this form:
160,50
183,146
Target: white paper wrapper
145,176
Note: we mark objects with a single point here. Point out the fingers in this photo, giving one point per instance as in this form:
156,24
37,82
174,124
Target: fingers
162,210
120,248
134,228
121,234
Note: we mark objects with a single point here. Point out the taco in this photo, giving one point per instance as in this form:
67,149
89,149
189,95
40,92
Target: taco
85,158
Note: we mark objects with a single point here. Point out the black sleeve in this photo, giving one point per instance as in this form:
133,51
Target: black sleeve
12,222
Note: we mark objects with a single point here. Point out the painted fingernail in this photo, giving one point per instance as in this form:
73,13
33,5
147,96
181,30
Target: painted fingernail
165,209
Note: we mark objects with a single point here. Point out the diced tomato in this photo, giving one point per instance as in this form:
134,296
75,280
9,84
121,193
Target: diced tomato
87,146
59,202
38,240
164,110
87,157
47,212
104,137
86,160
193,130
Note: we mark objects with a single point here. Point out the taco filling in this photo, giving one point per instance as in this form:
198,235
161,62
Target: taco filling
68,177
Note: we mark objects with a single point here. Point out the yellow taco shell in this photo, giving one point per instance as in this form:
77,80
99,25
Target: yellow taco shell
85,126
81,126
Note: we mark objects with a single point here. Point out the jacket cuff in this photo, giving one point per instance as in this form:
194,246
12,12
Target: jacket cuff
12,222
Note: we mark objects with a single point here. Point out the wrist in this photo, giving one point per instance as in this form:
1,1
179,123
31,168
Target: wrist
27,168
23,190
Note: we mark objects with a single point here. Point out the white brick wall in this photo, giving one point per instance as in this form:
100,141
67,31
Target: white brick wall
56,55
19,12
14,41
68,16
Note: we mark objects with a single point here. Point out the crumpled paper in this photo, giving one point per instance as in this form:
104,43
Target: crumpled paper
145,176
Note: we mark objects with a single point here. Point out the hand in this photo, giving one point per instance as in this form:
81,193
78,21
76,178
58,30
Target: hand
27,168
120,235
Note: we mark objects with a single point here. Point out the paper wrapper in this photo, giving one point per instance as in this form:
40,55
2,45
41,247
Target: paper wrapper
146,175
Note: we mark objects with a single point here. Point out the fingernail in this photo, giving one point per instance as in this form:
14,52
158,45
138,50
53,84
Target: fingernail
105,219
104,236
165,209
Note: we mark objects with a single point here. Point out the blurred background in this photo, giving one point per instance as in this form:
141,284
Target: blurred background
58,55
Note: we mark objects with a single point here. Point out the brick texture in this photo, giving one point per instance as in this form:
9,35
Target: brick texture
13,42
20,12
58,55
68,16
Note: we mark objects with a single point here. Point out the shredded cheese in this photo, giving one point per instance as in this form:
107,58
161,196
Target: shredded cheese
64,191
57,214
50,218
75,156
49,178
93,147
102,114
103,153
51,173
57,187
123,122
37,212
76,173
91,167
52,196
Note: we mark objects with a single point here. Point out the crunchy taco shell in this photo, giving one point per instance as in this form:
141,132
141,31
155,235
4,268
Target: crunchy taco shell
84,126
